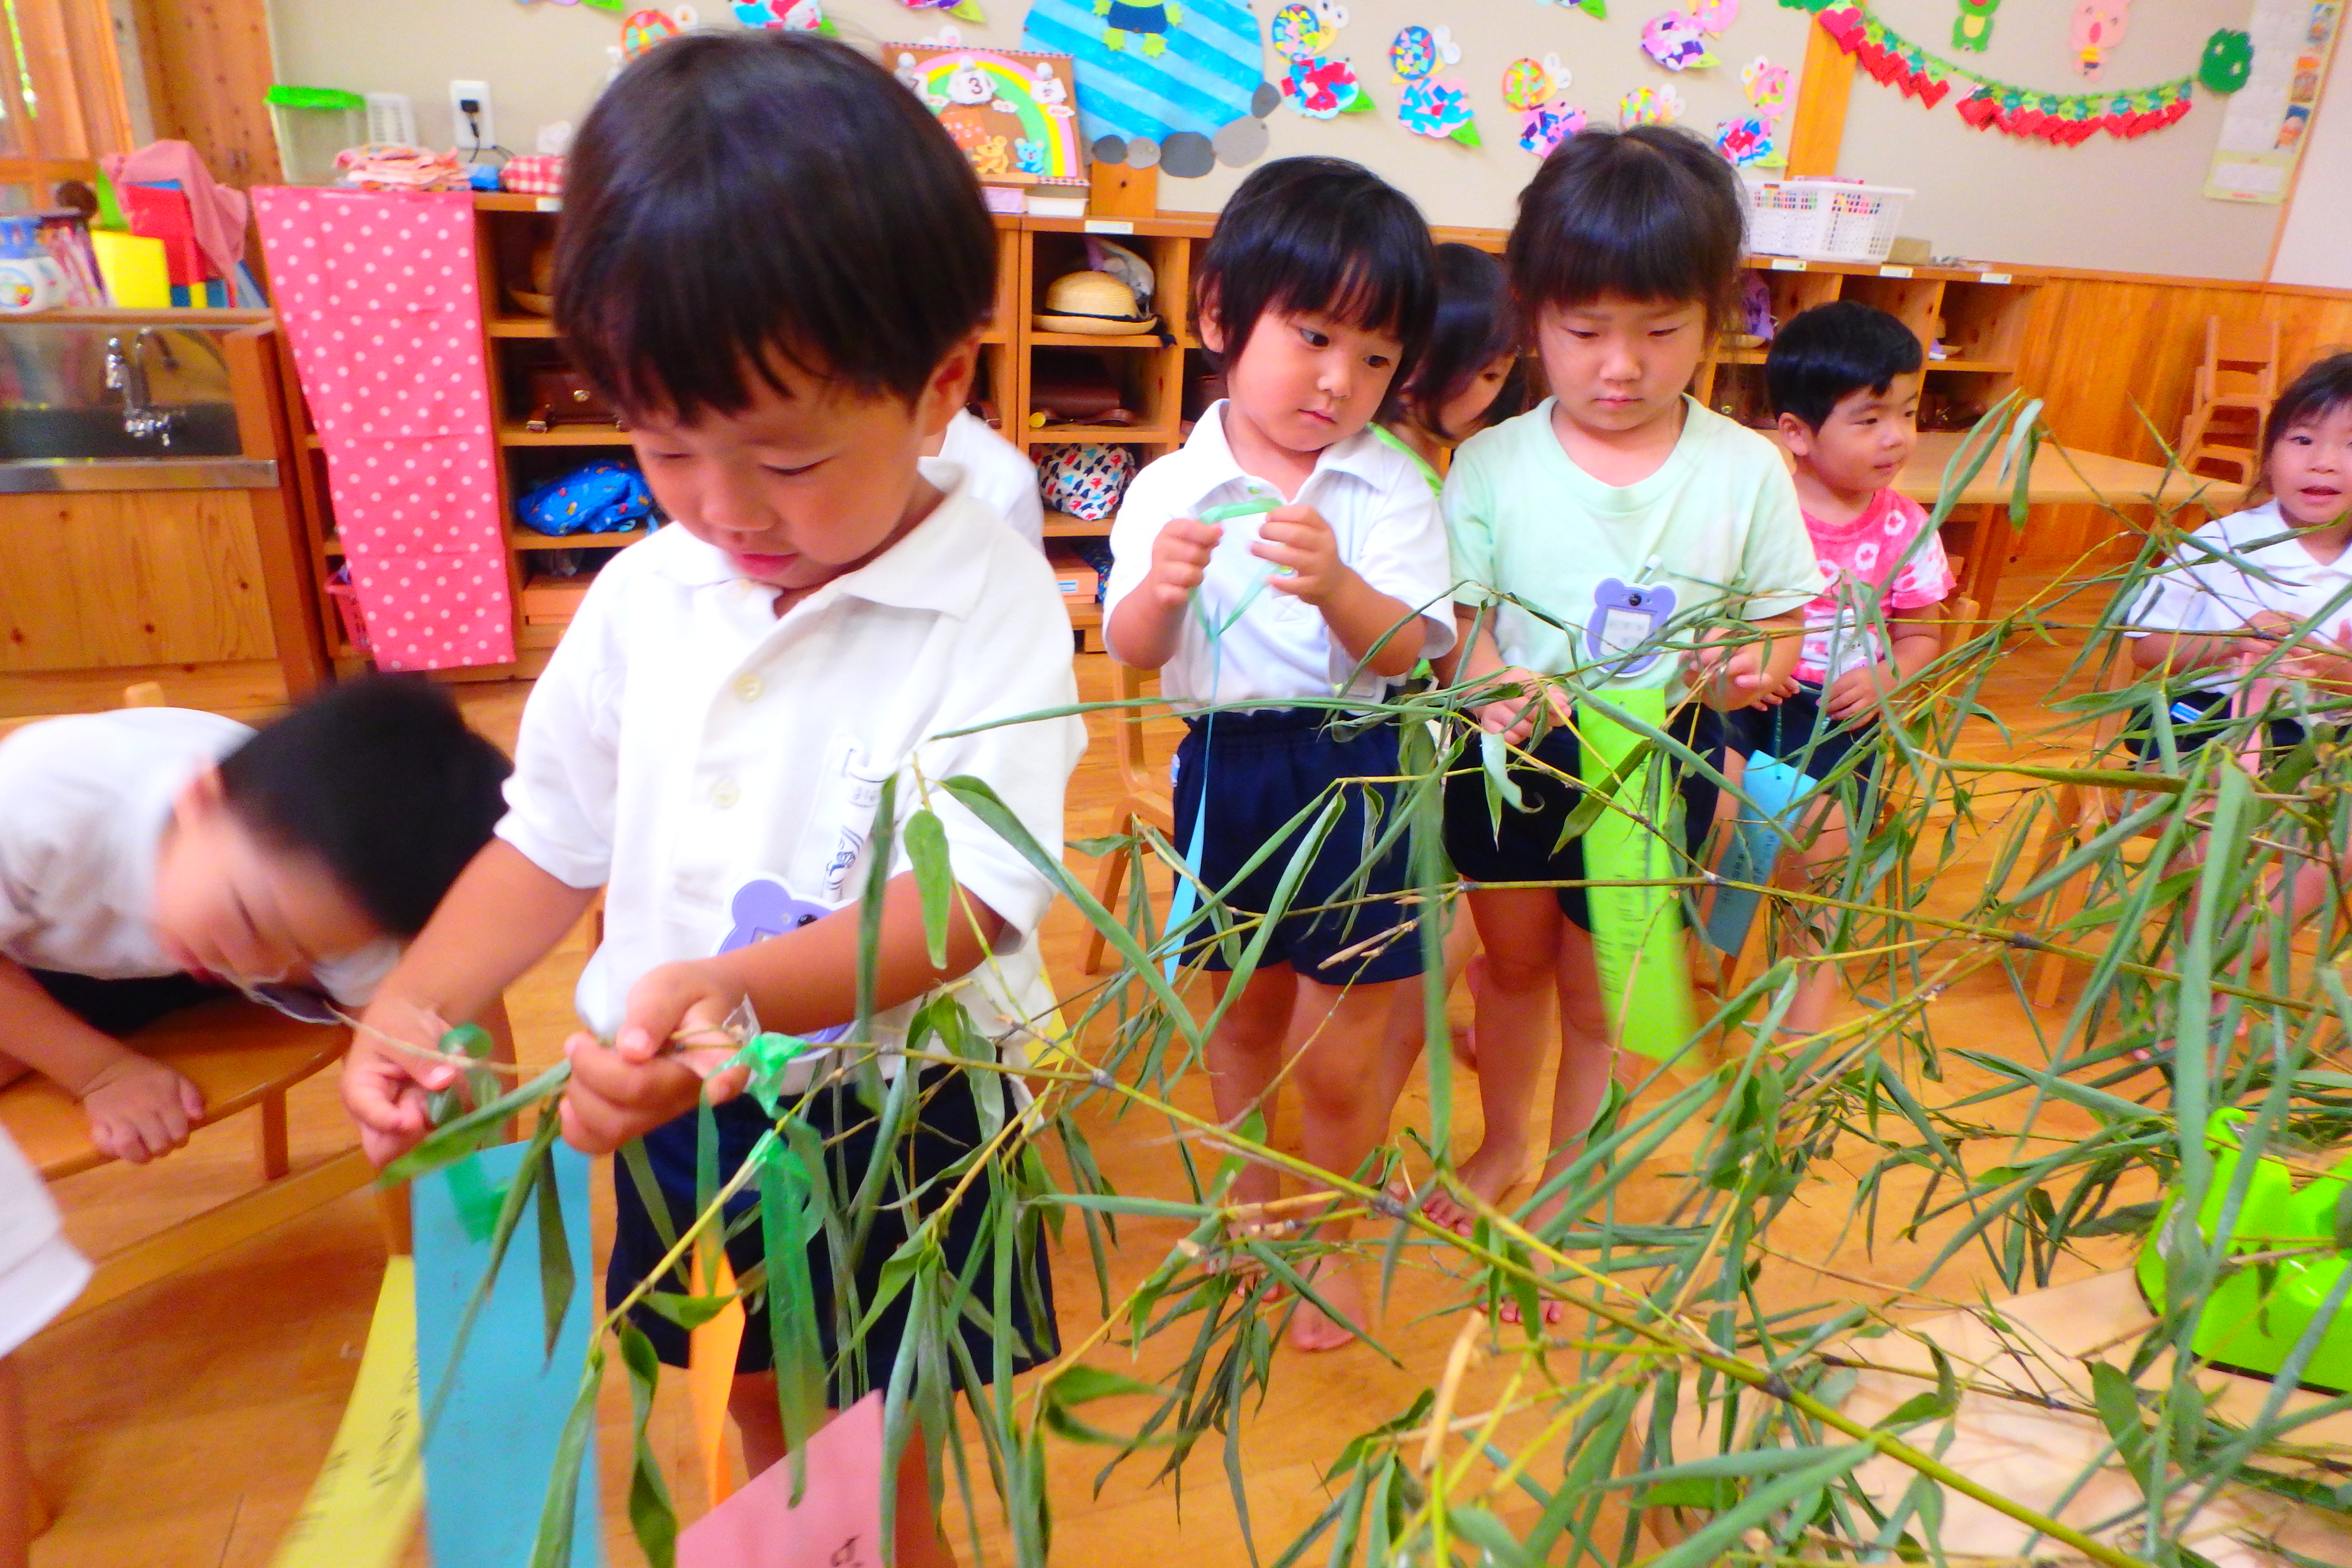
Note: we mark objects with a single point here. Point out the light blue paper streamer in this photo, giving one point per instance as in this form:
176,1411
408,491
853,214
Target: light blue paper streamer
1755,847
488,1457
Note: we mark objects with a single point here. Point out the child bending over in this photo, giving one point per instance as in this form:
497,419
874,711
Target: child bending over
774,259
1844,379
1315,292
154,858
1624,257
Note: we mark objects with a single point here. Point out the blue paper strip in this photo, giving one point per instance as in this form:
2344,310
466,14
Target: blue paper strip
1754,846
488,1459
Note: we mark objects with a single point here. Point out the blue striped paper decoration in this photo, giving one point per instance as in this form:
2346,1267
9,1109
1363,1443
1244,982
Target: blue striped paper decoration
1201,82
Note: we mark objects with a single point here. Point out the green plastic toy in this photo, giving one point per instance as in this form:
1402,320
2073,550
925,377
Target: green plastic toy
2255,1316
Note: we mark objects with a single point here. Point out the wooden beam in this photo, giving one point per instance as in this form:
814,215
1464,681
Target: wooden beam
1823,91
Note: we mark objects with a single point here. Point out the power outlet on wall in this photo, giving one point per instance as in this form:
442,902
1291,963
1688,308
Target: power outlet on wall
469,117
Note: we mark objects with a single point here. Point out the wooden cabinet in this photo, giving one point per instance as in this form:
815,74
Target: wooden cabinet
125,579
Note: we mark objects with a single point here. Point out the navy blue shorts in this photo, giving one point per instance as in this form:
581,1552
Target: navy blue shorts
948,1133
1268,765
1526,848
2200,718
123,1008
1797,731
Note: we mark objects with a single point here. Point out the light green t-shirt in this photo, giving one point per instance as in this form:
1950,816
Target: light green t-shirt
1720,519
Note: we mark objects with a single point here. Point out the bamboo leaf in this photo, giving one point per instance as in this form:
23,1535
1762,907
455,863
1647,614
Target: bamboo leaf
556,1282
651,1517
926,850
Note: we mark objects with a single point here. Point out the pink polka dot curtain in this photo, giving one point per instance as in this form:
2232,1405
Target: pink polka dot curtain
381,301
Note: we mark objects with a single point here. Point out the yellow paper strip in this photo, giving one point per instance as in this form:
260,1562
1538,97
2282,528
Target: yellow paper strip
710,1377
362,1508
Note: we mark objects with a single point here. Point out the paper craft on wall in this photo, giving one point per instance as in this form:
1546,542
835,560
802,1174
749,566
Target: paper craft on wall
1317,84
2228,60
1186,107
1010,112
1596,9
1535,88
1714,15
2062,118
1649,106
962,10
1751,140
1675,40
2098,26
1972,28
643,29
1432,106
787,16
2279,63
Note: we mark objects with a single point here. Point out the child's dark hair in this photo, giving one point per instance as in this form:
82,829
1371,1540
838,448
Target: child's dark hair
737,197
1324,235
2319,390
379,779
1475,323
1825,354
1650,212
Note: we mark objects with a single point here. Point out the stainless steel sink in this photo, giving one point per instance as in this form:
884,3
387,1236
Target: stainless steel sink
120,406
49,434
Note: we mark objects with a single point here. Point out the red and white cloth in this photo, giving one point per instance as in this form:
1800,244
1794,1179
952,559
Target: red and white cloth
533,174
381,299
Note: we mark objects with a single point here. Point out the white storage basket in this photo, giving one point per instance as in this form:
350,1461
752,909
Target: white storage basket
1823,220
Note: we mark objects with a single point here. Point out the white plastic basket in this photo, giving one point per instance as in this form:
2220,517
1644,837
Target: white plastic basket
1823,220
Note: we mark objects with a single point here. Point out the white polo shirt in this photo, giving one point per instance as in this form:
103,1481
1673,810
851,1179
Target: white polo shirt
1000,476
1388,528
87,798
2236,567
686,745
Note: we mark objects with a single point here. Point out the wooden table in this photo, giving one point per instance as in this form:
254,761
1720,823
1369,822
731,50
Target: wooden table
2061,477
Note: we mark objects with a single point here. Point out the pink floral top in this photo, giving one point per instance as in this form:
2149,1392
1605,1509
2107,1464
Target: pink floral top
1870,569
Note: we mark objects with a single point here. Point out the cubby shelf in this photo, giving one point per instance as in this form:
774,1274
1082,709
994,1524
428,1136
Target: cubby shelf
1982,316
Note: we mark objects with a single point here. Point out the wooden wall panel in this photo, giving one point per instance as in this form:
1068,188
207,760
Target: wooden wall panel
209,67
2110,356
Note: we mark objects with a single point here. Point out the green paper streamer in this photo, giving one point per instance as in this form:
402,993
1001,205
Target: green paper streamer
1637,932
478,1199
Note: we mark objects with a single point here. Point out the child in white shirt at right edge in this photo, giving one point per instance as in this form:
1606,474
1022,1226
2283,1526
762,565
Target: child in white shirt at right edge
2213,618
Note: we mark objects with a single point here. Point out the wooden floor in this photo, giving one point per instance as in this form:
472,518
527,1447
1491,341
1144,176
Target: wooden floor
184,1425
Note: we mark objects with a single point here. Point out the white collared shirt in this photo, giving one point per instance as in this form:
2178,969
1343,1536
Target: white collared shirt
88,799
2236,567
1387,526
1000,476
686,743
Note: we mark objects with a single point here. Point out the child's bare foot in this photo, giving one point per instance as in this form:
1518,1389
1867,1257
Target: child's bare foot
1334,1278
140,1110
1465,1040
1489,1173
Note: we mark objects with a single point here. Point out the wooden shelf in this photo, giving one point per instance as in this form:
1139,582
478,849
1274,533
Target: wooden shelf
562,435
519,537
1100,436
1085,616
521,327
1975,366
1094,341
1062,525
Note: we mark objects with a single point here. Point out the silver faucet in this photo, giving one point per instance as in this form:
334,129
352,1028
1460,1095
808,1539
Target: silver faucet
126,372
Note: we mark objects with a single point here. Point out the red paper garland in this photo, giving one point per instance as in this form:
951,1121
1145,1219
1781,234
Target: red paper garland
1892,61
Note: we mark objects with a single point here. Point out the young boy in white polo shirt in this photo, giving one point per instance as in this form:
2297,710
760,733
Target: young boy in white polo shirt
1316,291
154,858
710,743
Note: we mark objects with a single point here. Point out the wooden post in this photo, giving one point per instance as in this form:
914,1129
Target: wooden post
1823,91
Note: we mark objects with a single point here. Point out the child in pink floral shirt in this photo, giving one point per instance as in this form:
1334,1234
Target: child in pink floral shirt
1844,383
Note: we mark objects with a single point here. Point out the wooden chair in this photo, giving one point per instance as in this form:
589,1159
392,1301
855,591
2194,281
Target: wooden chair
1147,796
2235,385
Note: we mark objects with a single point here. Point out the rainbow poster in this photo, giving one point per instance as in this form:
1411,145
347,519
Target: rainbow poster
1013,114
